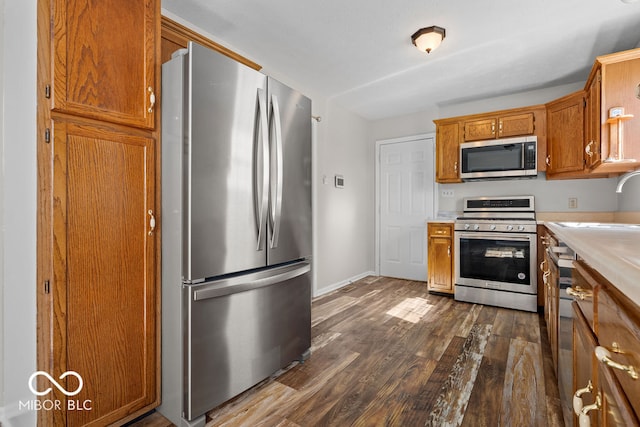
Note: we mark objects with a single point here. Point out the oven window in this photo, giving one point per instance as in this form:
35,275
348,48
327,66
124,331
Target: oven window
495,260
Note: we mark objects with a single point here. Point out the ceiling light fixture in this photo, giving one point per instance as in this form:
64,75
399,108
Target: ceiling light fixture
428,38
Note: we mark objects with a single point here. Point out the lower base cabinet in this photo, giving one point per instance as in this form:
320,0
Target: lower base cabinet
606,353
440,257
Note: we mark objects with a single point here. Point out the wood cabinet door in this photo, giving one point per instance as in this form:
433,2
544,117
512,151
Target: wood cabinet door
440,264
584,368
447,152
592,123
104,292
104,59
516,125
476,130
565,151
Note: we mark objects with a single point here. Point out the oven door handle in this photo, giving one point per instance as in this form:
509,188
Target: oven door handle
496,236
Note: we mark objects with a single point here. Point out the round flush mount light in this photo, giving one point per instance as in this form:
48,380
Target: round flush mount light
428,38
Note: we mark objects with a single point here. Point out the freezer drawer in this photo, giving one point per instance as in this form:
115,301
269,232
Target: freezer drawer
241,330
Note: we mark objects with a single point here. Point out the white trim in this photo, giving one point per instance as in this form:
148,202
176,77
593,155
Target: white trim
342,283
379,144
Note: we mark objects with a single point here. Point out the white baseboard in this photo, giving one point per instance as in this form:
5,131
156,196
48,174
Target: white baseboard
335,286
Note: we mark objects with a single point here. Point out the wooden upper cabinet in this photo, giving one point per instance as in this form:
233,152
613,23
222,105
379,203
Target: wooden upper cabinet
565,150
104,60
499,127
592,122
615,142
447,152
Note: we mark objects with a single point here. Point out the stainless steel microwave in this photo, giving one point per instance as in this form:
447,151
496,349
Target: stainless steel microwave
502,158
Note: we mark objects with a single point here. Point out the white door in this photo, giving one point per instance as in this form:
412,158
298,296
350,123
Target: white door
405,197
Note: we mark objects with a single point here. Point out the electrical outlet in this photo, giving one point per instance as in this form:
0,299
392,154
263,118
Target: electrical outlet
573,203
447,193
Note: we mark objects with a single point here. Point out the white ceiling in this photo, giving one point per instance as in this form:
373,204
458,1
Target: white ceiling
359,52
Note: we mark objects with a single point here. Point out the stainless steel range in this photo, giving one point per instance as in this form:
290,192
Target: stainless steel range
495,246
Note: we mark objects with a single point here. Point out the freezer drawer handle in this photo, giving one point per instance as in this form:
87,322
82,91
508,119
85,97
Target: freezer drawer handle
231,286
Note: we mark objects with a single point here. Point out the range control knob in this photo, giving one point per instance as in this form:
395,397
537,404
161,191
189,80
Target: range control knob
492,227
521,227
476,227
466,226
509,227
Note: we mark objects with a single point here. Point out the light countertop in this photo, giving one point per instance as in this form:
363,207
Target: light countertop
611,249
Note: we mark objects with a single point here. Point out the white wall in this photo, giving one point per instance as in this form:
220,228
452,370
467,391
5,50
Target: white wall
19,206
2,38
344,219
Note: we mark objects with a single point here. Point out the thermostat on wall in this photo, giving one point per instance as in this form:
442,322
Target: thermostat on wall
339,180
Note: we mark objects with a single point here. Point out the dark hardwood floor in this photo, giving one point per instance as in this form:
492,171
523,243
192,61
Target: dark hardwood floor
387,353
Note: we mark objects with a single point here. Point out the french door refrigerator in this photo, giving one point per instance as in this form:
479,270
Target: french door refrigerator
236,230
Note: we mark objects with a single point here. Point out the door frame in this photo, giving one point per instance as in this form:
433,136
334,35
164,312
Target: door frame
379,144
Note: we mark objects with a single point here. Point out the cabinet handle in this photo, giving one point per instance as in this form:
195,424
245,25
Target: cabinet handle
500,127
577,398
152,222
455,166
545,242
579,293
548,160
152,99
604,355
587,149
449,251
584,419
542,267
493,128
545,278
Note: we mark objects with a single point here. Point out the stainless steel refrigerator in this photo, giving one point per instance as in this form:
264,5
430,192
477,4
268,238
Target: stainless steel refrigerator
236,230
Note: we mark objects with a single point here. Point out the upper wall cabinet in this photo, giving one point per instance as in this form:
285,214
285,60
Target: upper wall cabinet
565,153
447,151
499,127
106,71
612,115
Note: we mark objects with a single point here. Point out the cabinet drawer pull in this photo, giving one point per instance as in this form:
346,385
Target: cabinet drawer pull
577,398
548,160
604,355
584,419
579,293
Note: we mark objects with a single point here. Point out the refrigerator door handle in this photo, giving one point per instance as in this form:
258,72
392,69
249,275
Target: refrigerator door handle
261,192
261,279
276,196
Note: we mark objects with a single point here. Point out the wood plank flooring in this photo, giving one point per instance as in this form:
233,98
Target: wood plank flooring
387,353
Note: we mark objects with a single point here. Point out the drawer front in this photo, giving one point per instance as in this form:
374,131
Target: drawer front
583,286
440,229
619,332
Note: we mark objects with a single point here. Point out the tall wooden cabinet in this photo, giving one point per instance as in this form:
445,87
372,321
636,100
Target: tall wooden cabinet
98,305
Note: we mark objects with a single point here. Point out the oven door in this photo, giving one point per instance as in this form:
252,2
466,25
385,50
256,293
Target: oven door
503,261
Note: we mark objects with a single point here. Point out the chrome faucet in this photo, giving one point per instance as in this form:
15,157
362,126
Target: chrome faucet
624,179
